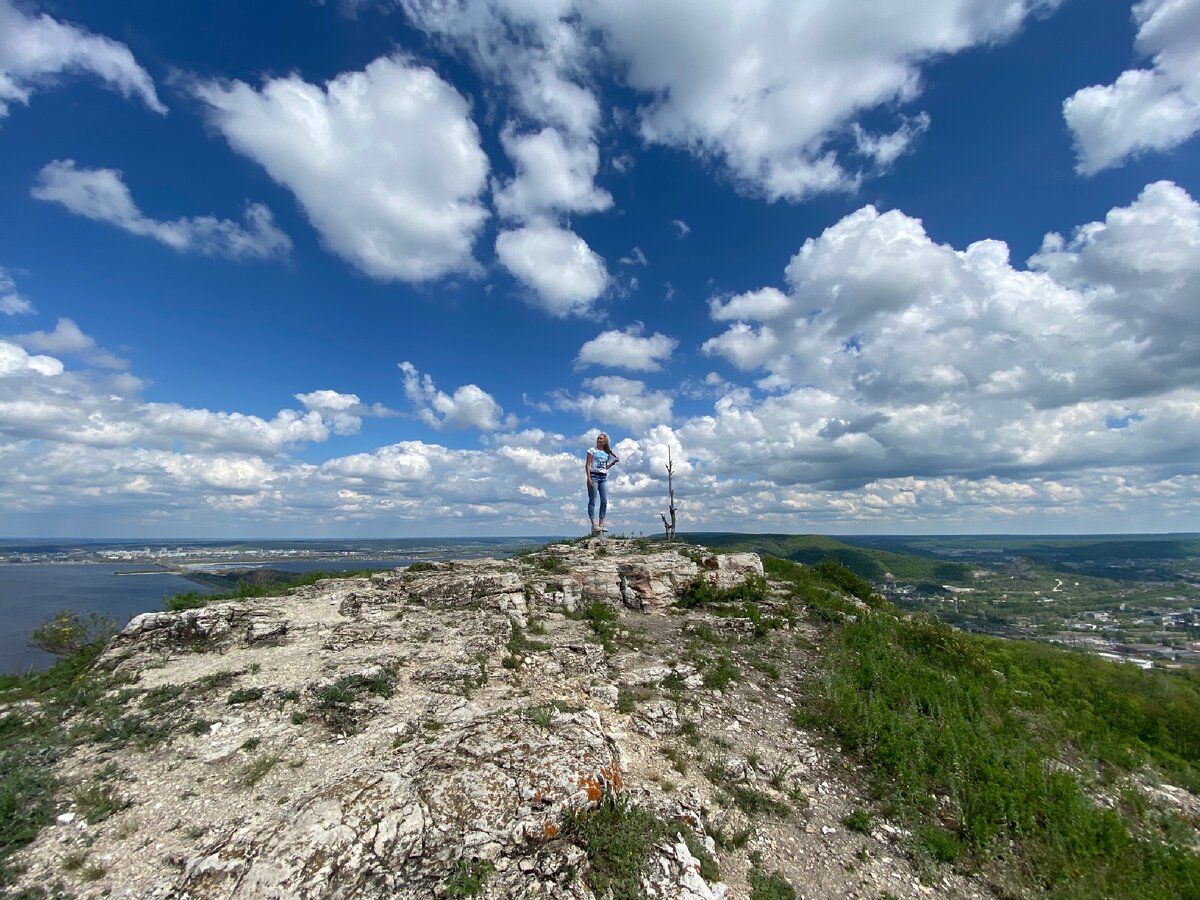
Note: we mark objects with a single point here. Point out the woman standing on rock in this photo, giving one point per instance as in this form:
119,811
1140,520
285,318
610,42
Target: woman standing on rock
599,460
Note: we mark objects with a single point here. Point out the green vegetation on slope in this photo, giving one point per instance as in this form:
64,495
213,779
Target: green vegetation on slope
994,751
31,744
809,549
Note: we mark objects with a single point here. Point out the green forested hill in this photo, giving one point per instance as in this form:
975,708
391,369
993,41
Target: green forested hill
869,563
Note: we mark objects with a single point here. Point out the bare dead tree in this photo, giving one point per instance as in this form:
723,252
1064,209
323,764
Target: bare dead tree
669,527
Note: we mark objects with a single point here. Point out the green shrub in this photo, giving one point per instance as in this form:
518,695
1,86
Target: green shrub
701,592
845,580
718,675
186,600
467,878
254,771
619,837
773,886
858,820
67,633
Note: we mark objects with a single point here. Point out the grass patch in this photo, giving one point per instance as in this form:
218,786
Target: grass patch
701,592
619,838
770,886
858,820
936,713
720,673
628,697
254,771
31,744
96,802
603,620
336,702
768,668
755,803
679,759
543,714
467,878
736,840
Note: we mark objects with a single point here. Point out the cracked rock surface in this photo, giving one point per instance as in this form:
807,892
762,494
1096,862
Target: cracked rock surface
400,735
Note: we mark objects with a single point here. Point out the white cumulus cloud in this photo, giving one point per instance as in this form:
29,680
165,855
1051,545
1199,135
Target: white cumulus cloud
553,174
386,162
536,51
892,355
627,349
613,400
15,360
566,275
470,406
68,338
1146,109
766,88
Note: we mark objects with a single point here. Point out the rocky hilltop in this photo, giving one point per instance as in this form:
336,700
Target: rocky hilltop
553,725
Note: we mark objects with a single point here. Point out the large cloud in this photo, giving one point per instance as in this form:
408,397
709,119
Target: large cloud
1155,108
35,50
773,90
565,273
892,355
101,194
386,162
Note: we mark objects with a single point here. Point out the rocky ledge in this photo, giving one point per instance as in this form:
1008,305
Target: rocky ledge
552,725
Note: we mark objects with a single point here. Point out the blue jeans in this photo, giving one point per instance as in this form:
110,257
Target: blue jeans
599,483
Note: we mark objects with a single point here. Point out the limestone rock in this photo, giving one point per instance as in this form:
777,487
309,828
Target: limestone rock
380,737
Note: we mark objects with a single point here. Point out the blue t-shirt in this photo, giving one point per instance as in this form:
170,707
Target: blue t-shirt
599,461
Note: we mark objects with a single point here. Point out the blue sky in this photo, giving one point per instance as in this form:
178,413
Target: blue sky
385,268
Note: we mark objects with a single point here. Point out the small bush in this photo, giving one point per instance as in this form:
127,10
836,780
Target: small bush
755,803
186,600
96,802
701,592
467,878
618,838
859,820
67,633
847,581
771,886
254,771
719,675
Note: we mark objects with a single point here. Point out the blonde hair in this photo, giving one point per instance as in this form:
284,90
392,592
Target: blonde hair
602,440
